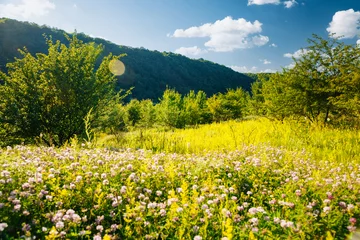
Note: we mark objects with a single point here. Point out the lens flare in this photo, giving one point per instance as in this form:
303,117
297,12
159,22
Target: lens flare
117,67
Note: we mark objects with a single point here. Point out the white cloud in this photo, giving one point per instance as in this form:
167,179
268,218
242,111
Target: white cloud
269,71
26,8
358,41
345,24
260,40
227,35
290,66
75,6
244,69
265,61
290,4
190,51
262,2
273,45
298,54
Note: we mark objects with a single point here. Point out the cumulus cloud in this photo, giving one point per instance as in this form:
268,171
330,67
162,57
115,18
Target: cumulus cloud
190,51
26,9
262,2
227,34
298,54
290,4
269,71
273,45
265,61
290,66
244,69
345,24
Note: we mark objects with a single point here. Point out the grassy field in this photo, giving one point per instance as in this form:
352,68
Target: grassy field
255,179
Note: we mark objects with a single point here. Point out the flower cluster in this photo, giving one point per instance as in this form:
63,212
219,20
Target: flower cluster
104,194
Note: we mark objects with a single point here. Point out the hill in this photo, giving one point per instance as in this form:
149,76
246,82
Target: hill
150,72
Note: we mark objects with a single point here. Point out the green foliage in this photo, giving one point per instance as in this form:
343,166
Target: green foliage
147,113
324,85
195,108
133,112
170,109
231,105
49,95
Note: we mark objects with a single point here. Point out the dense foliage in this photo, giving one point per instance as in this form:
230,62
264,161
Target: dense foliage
48,96
324,85
150,72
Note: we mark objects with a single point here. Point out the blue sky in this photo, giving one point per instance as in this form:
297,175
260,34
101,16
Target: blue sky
247,35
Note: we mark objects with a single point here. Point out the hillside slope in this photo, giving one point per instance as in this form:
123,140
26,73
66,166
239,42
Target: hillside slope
150,72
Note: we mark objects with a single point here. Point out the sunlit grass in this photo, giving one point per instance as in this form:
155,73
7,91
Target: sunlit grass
322,142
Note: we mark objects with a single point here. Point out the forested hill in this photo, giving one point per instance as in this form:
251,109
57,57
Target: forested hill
150,72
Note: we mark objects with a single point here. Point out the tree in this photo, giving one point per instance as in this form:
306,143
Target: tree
323,83
230,105
49,95
170,109
133,112
195,108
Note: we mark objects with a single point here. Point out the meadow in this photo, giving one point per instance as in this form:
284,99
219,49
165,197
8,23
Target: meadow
255,179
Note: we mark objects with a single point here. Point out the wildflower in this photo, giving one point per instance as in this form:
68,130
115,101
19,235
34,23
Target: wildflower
254,221
17,207
342,205
179,209
162,212
3,226
100,228
59,225
158,193
197,237
351,228
204,206
298,192
123,190
97,237
114,227
78,179
272,202
254,229
352,220
350,207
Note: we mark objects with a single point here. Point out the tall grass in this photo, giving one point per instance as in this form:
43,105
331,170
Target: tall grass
322,142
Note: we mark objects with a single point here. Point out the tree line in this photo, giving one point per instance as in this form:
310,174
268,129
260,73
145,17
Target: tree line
56,96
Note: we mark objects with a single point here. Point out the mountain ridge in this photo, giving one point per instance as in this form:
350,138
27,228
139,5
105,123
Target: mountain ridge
150,72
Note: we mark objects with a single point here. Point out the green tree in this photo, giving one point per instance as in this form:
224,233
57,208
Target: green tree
147,113
324,83
170,109
49,95
231,105
195,108
133,112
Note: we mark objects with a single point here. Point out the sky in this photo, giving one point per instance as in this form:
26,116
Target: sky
246,35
